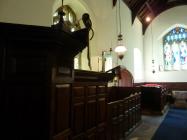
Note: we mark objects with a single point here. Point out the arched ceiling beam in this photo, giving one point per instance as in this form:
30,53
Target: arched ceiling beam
144,8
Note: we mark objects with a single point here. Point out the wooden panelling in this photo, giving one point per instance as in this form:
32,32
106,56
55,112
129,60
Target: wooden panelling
2,63
2,96
175,85
117,93
153,99
121,119
101,106
170,85
138,108
62,109
101,112
123,116
101,131
92,76
91,134
25,108
65,135
89,111
25,64
126,115
112,121
78,118
91,107
81,136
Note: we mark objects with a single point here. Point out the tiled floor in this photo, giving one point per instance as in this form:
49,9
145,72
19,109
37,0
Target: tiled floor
147,128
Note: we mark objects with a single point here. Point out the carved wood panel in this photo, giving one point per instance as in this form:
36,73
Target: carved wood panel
26,107
91,105
101,112
89,99
91,112
62,111
26,64
112,121
1,61
78,118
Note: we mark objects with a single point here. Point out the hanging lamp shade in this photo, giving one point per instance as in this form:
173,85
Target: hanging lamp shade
120,48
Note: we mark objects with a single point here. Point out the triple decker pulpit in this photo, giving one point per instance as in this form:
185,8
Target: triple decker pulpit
36,73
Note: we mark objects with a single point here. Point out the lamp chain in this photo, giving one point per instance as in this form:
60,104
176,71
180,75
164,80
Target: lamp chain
116,21
119,18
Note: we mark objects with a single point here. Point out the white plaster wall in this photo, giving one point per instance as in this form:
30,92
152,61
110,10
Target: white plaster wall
161,25
137,51
103,27
133,39
108,29
31,12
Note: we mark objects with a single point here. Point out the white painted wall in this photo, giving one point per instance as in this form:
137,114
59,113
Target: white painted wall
107,32
161,25
103,15
31,12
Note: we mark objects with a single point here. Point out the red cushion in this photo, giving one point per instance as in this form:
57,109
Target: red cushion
152,85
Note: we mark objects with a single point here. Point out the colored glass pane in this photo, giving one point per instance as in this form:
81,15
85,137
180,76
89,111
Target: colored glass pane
175,49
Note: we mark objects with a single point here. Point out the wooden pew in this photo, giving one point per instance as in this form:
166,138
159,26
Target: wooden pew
123,112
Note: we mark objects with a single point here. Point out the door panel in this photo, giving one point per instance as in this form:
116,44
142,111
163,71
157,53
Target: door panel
62,111
78,118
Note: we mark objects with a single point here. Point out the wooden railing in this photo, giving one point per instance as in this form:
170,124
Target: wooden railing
123,115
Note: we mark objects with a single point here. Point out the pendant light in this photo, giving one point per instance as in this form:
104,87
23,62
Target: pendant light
153,61
148,19
120,48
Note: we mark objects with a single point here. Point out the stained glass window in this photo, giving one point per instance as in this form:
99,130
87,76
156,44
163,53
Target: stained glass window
175,49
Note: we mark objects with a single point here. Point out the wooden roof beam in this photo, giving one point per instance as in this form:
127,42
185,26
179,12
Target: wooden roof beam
135,10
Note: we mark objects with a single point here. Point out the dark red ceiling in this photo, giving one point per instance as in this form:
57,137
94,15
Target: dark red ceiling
144,8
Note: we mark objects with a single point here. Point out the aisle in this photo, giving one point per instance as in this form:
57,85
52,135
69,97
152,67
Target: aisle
147,128
174,126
